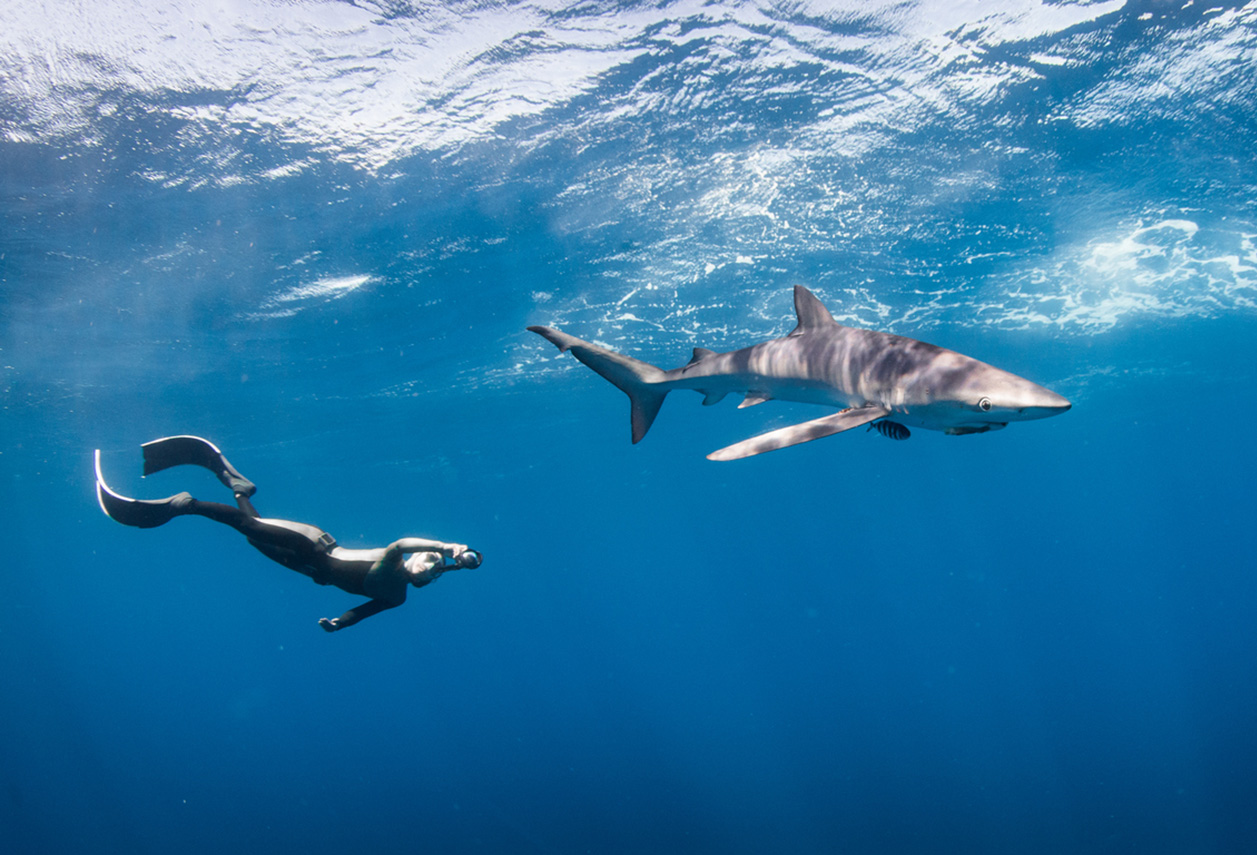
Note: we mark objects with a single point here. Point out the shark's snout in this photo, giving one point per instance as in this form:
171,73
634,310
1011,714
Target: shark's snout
1042,404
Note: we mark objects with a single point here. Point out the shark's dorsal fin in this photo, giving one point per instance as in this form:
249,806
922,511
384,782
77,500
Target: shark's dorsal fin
810,311
753,398
700,353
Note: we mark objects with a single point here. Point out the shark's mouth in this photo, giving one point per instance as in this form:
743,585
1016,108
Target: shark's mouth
963,430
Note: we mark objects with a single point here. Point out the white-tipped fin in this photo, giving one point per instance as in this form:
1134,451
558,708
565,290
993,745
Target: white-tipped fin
803,432
753,398
102,487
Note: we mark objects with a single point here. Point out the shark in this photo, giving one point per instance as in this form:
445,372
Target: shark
889,382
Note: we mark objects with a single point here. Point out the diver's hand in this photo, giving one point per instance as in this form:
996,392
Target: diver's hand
453,550
329,624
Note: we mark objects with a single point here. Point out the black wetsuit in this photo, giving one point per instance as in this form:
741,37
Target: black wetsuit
304,548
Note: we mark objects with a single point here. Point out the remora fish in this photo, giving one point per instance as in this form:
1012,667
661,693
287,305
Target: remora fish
886,381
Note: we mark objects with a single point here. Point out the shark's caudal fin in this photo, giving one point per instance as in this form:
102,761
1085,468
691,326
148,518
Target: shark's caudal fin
632,376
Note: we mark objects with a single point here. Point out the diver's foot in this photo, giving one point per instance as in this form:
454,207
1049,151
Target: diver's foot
239,485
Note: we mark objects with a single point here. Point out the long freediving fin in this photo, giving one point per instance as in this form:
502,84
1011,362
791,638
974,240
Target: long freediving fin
802,432
194,451
140,513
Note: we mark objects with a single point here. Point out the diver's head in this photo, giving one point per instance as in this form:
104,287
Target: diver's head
418,564
469,559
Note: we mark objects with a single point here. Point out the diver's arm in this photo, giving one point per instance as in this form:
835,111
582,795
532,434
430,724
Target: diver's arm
362,612
418,544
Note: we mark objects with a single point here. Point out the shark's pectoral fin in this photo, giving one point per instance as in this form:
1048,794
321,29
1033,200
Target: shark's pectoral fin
803,432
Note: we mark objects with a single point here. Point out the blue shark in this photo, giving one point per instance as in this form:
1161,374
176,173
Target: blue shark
886,381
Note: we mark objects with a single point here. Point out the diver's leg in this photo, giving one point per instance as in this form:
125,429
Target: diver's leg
245,505
288,546
227,515
194,451
297,547
243,519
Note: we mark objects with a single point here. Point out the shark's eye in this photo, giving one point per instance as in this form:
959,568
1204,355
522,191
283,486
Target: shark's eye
985,405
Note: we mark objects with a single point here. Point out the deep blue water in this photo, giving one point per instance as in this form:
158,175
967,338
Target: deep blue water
315,233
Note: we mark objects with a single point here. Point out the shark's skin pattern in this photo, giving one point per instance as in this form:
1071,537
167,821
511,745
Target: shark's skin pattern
872,375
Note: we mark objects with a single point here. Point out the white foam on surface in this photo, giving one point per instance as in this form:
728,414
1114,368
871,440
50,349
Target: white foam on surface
723,211
290,301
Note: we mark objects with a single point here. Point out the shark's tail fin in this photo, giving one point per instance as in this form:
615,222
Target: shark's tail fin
637,379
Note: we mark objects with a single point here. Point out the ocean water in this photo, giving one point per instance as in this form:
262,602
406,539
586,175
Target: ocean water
314,232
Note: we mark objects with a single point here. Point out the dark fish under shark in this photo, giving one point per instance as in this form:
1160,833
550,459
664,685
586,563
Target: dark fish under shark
886,381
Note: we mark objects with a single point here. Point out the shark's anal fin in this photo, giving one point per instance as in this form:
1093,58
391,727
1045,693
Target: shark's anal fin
753,398
803,432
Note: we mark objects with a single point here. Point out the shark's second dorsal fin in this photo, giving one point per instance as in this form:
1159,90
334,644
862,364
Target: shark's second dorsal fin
810,311
700,353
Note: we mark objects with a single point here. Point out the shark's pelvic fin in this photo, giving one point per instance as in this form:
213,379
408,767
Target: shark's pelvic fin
803,432
811,312
710,398
631,376
753,398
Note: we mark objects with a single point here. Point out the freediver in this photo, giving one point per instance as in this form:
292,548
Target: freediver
381,573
